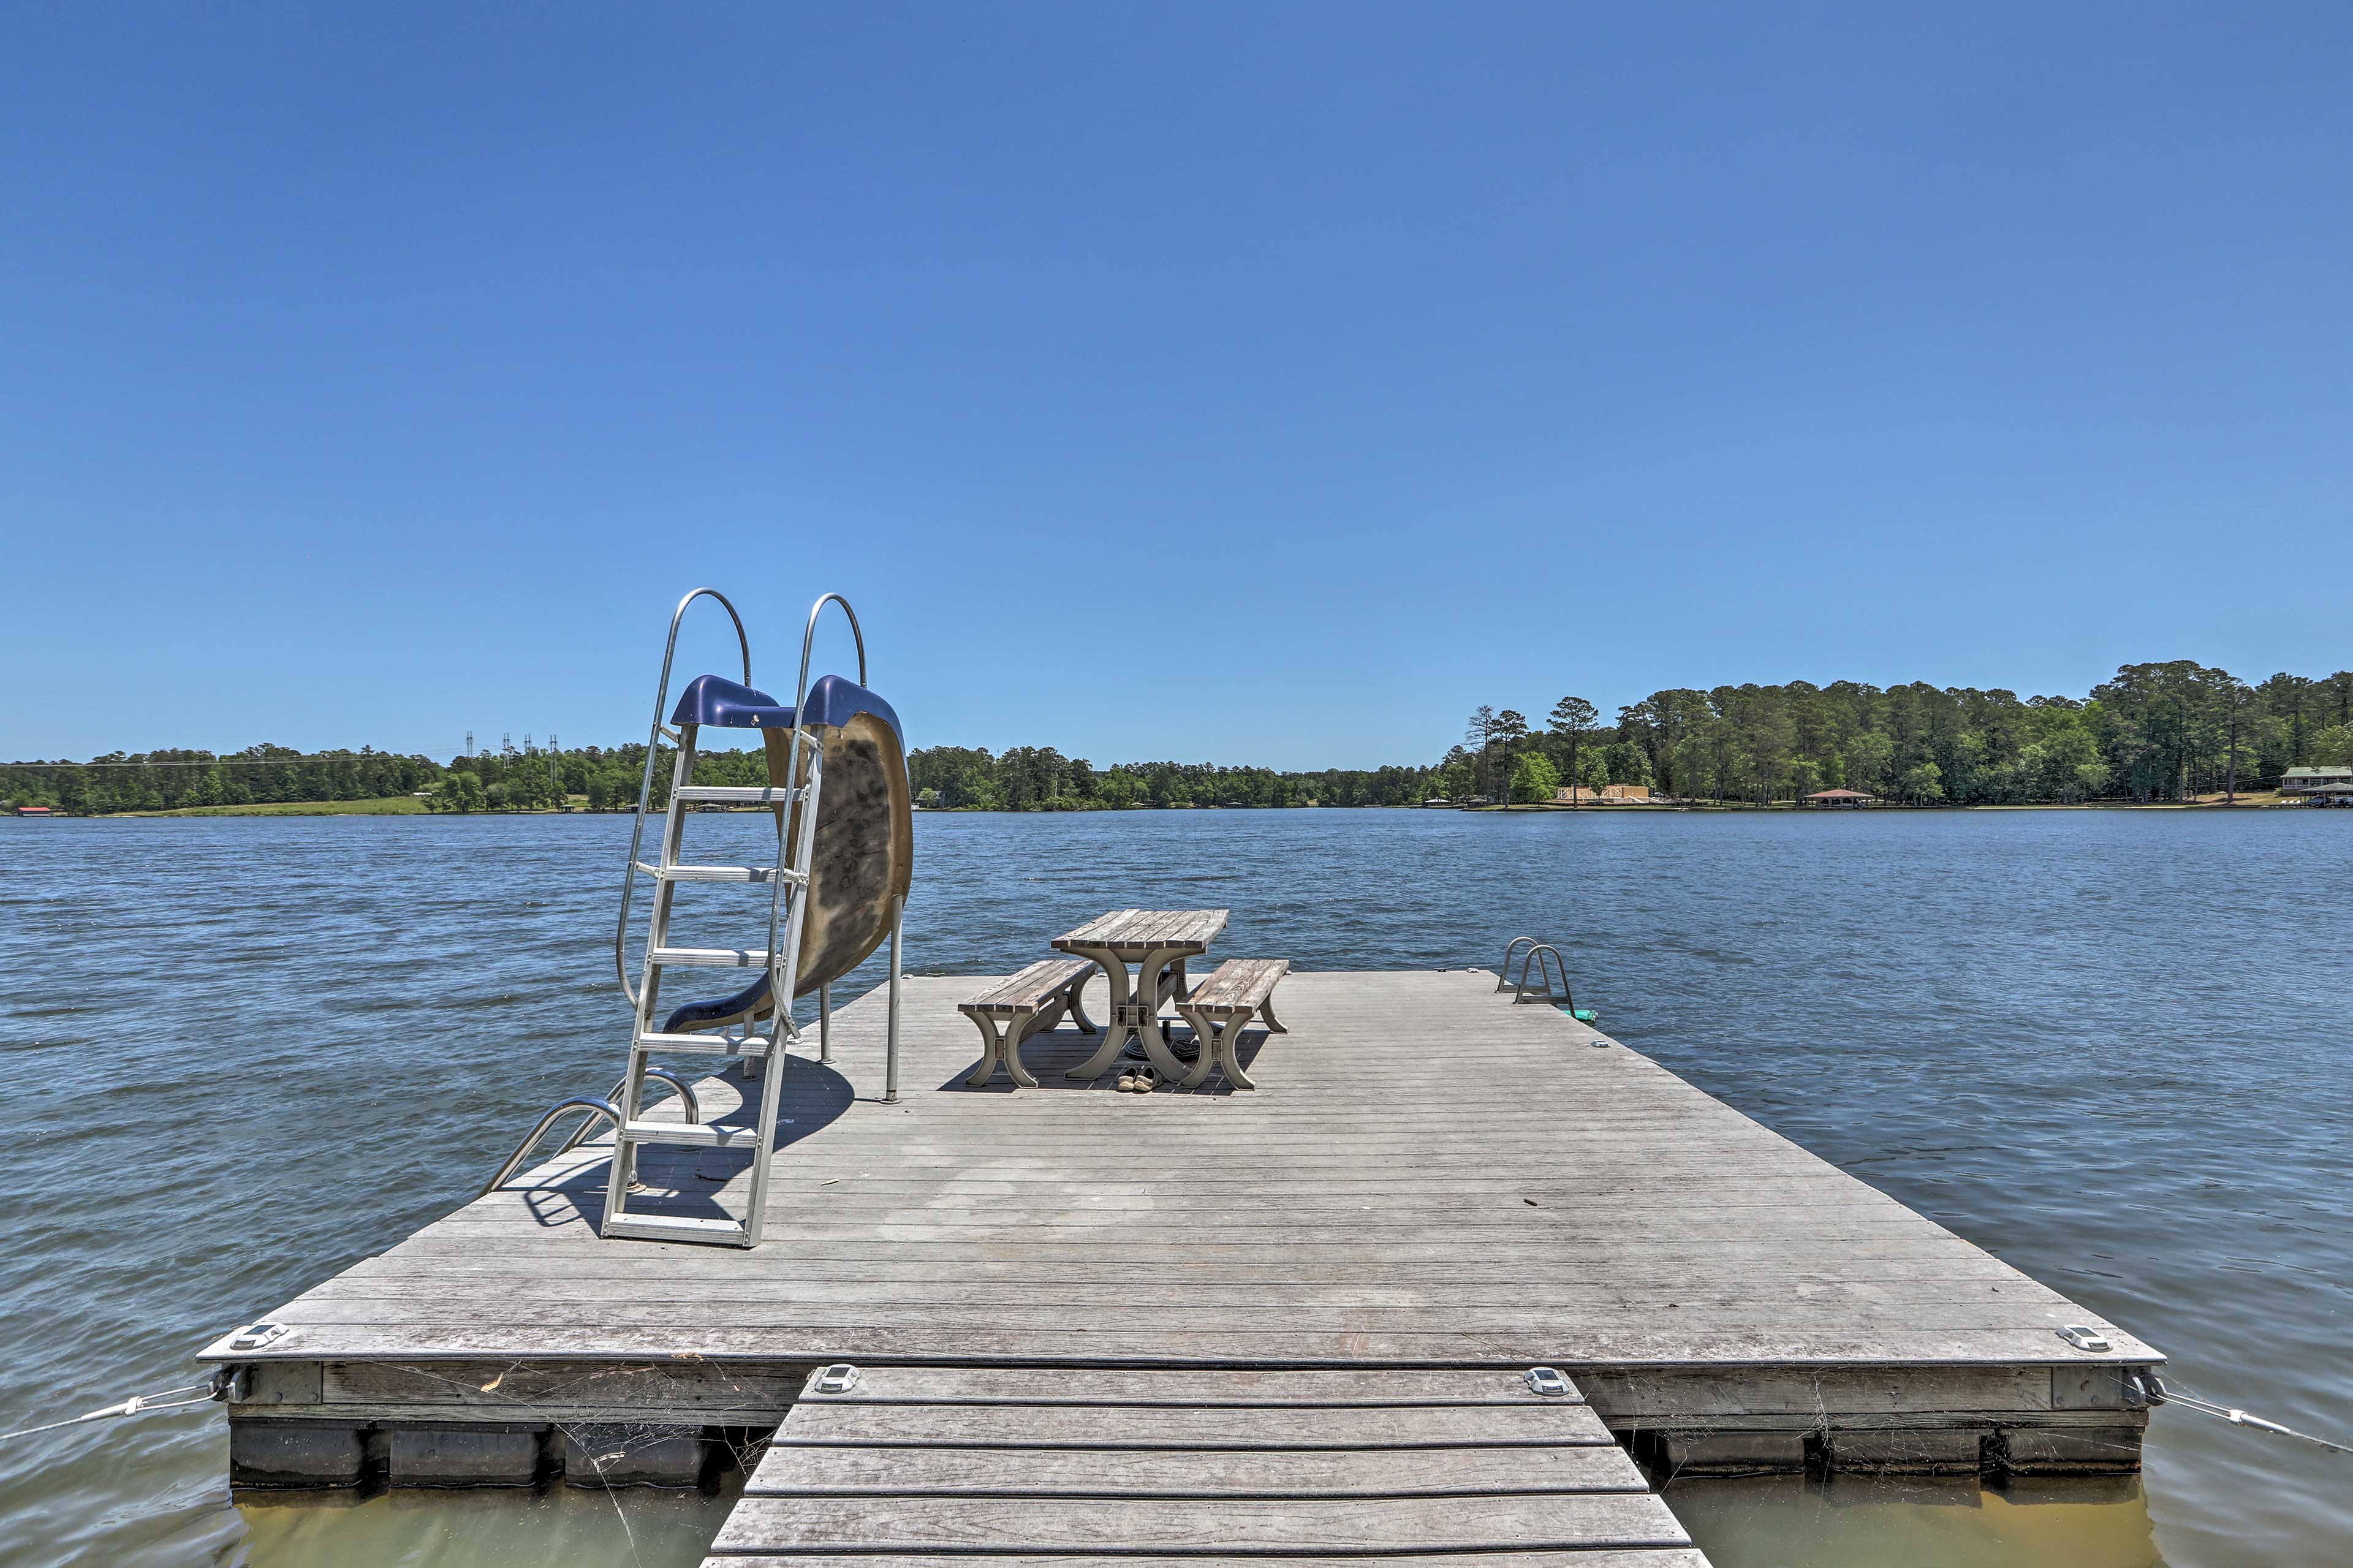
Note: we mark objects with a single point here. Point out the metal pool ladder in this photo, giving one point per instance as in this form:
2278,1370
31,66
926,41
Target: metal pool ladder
787,882
1551,972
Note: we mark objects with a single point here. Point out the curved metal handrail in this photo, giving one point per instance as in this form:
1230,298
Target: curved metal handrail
1544,973
808,638
1504,973
607,1109
596,1108
646,787
685,1093
793,775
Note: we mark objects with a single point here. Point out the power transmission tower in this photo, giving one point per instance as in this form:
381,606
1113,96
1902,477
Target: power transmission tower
470,742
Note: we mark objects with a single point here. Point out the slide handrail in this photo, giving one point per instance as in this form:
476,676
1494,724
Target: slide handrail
791,779
653,740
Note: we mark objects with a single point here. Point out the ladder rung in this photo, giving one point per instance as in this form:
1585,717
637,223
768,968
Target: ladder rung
737,794
707,1045
673,1227
722,874
689,1134
712,957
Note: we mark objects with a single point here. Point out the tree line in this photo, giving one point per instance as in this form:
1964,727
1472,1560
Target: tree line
2165,732
601,778
2169,731
530,779
168,779
1039,778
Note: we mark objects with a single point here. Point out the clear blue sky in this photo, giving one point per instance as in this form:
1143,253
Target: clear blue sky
1251,385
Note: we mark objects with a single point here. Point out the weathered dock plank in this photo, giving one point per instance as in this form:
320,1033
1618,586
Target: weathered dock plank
1558,1521
1256,1472
1229,1427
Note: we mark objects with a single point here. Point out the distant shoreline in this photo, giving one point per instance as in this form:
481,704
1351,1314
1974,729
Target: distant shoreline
407,806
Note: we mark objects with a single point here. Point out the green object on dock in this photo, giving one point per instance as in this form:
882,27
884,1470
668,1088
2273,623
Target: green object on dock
1585,1015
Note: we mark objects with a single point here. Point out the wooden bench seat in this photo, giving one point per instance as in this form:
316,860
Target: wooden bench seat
1018,1006
1221,1005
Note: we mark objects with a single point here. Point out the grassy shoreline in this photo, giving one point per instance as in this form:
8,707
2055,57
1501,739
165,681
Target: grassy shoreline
382,805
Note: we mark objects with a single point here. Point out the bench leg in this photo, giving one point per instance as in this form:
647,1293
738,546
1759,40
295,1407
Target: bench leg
1205,1055
1217,1034
1002,1042
1266,1016
1017,1029
1229,1037
991,1051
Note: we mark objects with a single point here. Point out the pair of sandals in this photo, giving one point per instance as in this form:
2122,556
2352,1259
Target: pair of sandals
1137,1081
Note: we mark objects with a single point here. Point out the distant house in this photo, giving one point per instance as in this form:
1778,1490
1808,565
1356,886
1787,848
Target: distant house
35,811
1838,797
2303,781
1577,795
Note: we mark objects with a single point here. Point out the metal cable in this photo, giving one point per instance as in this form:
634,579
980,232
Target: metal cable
135,1405
2238,1417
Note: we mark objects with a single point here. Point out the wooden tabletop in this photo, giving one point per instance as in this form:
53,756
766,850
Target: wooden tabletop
1137,930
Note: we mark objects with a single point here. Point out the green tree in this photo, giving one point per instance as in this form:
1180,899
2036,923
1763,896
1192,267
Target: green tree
2331,747
1533,779
457,792
1921,782
1453,778
1623,762
1572,721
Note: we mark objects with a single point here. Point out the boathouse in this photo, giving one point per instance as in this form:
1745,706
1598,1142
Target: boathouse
2304,781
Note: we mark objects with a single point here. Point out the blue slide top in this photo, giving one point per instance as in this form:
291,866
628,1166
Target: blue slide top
714,700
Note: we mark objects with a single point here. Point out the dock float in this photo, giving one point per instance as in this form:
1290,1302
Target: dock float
1431,1185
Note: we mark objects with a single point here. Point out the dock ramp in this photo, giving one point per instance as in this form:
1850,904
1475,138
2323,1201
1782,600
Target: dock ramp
951,1465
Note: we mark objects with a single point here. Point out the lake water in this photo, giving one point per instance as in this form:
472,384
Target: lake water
241,1054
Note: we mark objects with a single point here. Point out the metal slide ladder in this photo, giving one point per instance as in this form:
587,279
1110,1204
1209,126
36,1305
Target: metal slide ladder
788,883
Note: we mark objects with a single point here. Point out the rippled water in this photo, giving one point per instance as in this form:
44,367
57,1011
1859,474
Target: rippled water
2107,1046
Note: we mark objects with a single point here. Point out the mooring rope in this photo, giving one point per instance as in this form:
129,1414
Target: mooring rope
137,1404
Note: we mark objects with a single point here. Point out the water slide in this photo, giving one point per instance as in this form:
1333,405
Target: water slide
864,849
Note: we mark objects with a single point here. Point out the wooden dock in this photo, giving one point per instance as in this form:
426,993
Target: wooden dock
1429,1180
938,1464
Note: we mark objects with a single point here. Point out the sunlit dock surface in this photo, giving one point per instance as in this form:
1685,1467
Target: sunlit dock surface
1429,1180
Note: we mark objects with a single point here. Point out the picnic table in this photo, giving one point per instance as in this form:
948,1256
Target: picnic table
1157,942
